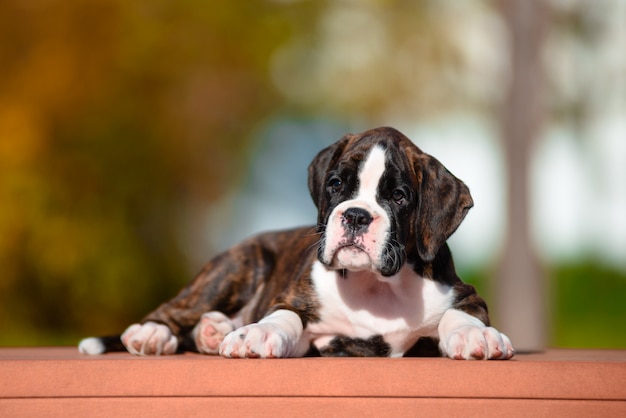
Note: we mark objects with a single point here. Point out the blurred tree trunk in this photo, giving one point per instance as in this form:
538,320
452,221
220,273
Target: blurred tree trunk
519,285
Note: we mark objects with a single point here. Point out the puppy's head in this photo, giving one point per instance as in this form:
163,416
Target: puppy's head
380,199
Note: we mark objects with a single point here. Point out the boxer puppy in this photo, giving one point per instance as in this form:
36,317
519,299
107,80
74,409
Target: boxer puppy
375,277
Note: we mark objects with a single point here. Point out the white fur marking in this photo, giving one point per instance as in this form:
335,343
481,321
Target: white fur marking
91,346
401,308
149,339
462,336
276,335
370,174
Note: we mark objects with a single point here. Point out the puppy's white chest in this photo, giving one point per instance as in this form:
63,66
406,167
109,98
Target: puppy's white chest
401,308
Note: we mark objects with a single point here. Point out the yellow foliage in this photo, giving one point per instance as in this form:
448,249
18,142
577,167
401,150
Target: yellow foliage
22,136
114,116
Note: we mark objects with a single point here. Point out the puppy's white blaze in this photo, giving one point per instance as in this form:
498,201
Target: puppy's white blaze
370,173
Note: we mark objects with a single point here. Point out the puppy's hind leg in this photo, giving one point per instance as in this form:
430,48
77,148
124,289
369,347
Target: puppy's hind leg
149,338
210,331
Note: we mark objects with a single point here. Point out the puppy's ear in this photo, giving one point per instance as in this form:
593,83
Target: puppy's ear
322,163
443,203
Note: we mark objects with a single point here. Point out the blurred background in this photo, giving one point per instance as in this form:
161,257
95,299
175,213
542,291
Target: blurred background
139,138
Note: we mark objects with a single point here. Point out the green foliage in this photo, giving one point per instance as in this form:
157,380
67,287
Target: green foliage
585,303
588,306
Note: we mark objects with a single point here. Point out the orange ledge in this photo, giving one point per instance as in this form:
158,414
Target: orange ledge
62,382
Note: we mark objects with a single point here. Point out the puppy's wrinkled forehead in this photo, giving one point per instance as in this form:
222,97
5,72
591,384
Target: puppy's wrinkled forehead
371,159
376,155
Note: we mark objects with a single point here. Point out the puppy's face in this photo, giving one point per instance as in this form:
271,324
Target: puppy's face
381,200
368,202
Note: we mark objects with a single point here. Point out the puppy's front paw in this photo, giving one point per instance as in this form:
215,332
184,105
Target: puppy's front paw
210,332
463,337
477,343
256,341
149,339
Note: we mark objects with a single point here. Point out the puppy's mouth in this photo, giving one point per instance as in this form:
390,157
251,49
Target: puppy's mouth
352,248
352,256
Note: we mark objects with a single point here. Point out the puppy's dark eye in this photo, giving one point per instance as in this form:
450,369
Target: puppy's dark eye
335,185
398,196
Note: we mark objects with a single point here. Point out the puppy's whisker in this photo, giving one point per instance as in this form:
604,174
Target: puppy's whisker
315,245
313,231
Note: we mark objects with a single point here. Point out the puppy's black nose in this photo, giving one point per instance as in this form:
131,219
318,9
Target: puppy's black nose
356,219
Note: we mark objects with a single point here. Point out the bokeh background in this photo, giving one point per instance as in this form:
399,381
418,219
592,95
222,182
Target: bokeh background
139,138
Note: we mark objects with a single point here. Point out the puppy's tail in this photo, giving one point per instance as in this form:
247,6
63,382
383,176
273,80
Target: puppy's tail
101,345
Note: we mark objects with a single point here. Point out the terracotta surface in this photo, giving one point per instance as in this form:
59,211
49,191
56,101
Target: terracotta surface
62,382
